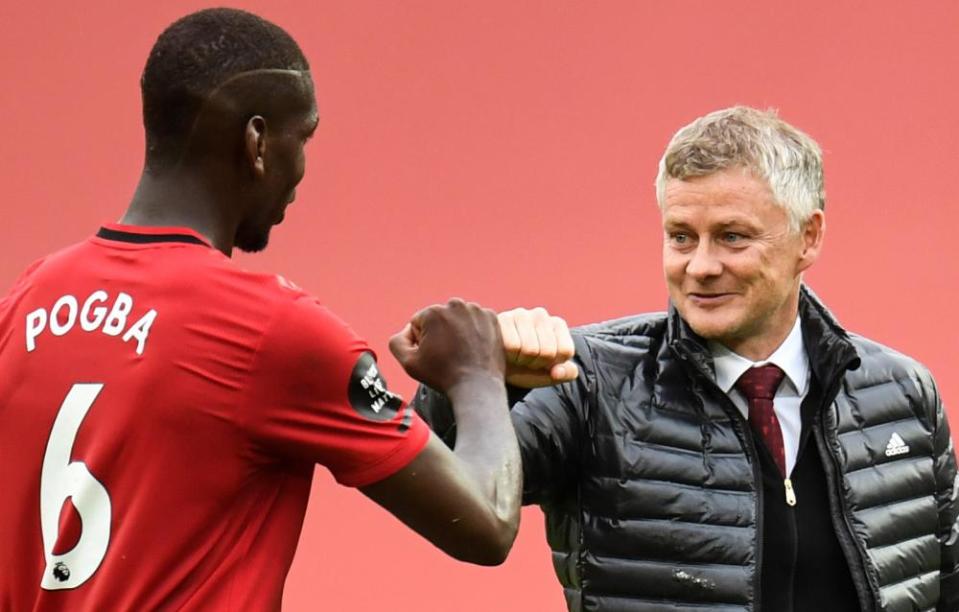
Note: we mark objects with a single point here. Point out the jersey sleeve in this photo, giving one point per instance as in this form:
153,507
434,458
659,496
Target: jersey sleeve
316,394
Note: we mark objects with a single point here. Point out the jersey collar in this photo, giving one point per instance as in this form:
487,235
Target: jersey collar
139,234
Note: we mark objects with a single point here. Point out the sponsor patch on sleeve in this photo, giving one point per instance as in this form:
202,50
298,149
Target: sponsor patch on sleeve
368,393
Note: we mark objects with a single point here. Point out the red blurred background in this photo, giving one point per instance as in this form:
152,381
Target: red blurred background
505,152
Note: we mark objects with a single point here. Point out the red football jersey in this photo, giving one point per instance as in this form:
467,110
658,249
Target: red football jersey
161,412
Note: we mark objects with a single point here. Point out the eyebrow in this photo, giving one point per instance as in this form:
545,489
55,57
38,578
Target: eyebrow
675,224
738,223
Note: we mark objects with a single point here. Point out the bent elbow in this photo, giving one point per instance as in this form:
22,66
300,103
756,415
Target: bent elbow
494,553
482,554
491,558
492,546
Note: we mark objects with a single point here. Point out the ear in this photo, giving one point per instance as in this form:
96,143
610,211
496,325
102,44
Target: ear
255,145
811,235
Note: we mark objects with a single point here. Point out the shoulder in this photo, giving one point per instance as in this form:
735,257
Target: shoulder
632,335
59,261
284,313
881,365
303,346
611,350
304,328
267,311
626,328
26,276
220,273
271,298
54,265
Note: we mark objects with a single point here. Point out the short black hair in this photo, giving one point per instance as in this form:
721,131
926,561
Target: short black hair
194,56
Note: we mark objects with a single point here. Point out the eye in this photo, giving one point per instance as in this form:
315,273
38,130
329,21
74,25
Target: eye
680,238
733,237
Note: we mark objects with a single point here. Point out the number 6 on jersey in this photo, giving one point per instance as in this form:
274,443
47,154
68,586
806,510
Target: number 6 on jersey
61,479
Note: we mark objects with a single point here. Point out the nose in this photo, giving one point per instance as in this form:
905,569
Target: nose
703,263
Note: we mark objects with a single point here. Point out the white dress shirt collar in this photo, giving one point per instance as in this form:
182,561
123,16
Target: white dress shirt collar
790,357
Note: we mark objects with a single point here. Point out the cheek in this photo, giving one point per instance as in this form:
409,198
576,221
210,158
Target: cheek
746,266
300,165
674,265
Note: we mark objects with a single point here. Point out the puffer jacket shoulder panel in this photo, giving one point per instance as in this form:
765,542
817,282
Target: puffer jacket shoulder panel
884,421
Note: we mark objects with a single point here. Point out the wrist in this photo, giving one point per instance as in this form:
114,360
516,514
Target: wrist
474,384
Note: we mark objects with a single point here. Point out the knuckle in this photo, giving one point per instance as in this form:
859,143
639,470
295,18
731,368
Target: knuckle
547,355
543,327
521,314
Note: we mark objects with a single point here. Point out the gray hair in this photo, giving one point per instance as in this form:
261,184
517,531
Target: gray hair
759,141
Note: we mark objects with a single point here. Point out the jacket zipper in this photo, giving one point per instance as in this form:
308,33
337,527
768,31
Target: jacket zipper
795,557
868,597
790,493
791,501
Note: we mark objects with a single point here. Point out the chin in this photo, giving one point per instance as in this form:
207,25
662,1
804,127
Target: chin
711,325
252,243
711,332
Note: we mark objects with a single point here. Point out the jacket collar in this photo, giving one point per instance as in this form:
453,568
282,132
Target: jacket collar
830,350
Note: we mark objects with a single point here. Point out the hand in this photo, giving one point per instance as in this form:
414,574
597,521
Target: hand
538,348
442,346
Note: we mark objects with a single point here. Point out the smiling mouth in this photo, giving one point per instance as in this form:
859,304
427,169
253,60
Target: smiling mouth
709,299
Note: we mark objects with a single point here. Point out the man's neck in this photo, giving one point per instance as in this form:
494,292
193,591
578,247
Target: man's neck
759,346
180,200
790,356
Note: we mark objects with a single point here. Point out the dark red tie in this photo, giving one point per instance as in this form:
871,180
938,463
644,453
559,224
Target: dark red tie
759,386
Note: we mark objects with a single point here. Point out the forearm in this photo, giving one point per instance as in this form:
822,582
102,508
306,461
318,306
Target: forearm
486,448
435,408
463,500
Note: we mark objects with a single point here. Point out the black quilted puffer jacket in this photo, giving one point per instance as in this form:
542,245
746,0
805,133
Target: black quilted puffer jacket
647,472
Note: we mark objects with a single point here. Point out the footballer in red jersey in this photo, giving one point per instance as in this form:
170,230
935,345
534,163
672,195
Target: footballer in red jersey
162,410
166,409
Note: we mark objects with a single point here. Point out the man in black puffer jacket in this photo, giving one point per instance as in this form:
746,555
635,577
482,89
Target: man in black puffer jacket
742,451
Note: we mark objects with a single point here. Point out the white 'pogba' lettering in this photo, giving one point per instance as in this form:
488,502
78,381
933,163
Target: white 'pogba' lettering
94,314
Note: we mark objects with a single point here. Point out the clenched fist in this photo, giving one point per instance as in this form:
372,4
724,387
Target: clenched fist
442,346
538,348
